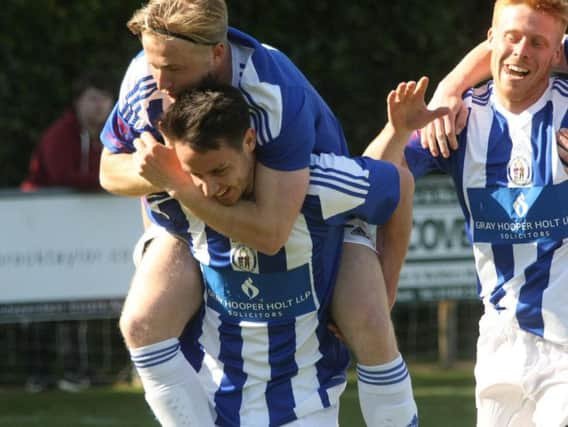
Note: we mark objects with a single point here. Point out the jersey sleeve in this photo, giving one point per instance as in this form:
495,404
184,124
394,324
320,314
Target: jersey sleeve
357,187
139,105
419,160
286,138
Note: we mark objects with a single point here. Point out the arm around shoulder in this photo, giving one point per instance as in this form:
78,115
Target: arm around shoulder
119,175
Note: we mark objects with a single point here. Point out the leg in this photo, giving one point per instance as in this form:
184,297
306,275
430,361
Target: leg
360,307
361,311
165,293
364,292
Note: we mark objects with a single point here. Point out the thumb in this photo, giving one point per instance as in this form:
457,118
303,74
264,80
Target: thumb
438,112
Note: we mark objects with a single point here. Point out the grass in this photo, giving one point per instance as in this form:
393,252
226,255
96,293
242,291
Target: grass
444,398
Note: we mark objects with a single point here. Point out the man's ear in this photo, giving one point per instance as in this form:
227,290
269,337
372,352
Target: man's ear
558,54
219,51
249,142
490,37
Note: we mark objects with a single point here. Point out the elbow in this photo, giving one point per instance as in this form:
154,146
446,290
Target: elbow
272,242
105,182
104,176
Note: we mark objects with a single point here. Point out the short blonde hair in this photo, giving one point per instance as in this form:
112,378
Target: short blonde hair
556,8
199,21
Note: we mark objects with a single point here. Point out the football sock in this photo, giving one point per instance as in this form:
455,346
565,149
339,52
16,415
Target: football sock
385,395
171,385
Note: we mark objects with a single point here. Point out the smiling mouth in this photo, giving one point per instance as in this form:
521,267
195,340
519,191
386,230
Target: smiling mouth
516,71
223,196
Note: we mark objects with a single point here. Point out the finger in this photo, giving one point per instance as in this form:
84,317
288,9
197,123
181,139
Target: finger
439,113
450,132
422,86
433,141
400,90
410,88
427,135
441,140
391,100
562,143
461,118
562,138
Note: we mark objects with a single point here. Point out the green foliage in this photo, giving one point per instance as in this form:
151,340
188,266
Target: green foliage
44,45
353,52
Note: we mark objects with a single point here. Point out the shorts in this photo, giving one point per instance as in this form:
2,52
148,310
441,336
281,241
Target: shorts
521,379
360,232
149,234
328,417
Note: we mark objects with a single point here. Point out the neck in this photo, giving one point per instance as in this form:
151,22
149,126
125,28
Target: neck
517,106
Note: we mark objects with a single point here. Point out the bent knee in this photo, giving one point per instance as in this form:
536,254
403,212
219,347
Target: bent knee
370,318
134,329
138,330
366,321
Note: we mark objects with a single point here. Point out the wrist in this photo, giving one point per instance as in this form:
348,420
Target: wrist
397,132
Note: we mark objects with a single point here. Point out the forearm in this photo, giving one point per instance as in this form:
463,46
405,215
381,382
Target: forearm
388,145
395,236
118,175
245,222
263,224
470,71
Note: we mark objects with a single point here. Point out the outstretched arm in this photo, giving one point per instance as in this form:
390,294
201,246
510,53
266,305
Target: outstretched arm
407,112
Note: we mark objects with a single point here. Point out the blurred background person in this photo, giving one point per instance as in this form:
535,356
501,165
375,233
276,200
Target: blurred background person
68,152
67,156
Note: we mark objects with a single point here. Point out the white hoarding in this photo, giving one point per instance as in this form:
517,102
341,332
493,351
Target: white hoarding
440,261
66,247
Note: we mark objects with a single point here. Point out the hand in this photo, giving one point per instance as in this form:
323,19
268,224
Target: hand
407,110
440,135
159,164
562,143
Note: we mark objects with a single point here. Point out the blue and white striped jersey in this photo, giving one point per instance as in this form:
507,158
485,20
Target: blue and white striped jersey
291,119
513,192
261,345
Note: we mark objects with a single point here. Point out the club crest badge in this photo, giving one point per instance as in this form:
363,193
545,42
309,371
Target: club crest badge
519,170
243,258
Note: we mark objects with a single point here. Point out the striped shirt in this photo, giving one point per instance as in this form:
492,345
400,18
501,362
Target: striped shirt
512,188
261,345
290,118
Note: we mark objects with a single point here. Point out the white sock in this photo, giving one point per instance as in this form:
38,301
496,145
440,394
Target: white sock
385,395
171,385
